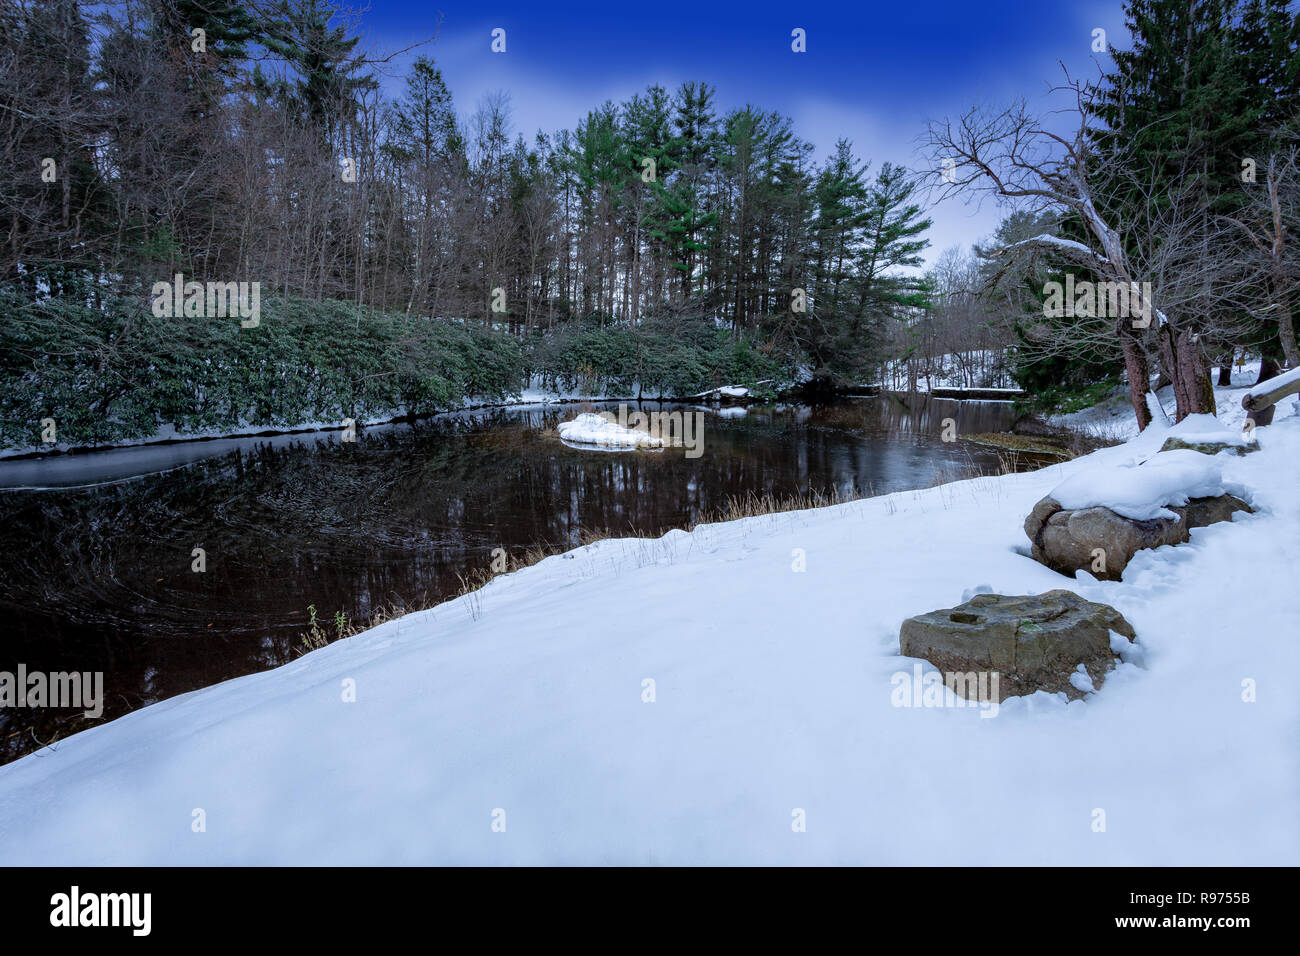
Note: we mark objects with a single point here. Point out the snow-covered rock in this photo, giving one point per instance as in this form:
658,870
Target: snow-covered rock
1105,513
1145,491
592,429
1204,434
731,393
1095,540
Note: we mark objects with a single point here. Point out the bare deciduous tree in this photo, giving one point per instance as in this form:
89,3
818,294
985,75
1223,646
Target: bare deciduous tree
1016,157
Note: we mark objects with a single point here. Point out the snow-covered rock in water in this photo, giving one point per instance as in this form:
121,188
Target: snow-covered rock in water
591,429
726,393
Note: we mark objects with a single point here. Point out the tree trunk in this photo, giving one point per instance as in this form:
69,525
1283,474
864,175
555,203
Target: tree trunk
1225,370
1268,367
1139,376
1169,359
1286,331
1194,372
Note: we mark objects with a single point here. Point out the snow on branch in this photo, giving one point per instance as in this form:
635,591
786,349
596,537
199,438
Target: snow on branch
1067,246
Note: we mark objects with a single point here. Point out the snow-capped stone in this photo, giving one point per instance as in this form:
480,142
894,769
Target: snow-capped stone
592,429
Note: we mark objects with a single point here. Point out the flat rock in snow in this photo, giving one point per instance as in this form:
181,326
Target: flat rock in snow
1032,641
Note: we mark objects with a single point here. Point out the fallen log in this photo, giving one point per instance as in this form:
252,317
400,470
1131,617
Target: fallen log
1272,391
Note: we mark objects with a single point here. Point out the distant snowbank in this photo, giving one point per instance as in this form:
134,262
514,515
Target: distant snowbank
1114,417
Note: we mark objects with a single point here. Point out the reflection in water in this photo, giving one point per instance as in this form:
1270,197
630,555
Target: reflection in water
96,570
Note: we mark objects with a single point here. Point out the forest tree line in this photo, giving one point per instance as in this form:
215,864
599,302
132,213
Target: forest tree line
658,241
412,253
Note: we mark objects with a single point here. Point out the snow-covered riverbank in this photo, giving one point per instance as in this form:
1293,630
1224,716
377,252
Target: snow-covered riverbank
534,394
526,703
1113,417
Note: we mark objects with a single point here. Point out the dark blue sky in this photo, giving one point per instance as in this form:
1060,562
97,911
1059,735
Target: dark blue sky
874,72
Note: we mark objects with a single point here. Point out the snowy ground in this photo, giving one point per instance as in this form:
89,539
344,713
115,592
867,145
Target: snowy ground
526,703
1113,418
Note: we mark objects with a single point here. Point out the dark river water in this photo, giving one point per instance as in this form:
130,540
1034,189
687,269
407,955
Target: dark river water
96,550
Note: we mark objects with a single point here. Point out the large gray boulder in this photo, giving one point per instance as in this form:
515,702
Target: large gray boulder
1096,539
1101,542
1032,641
